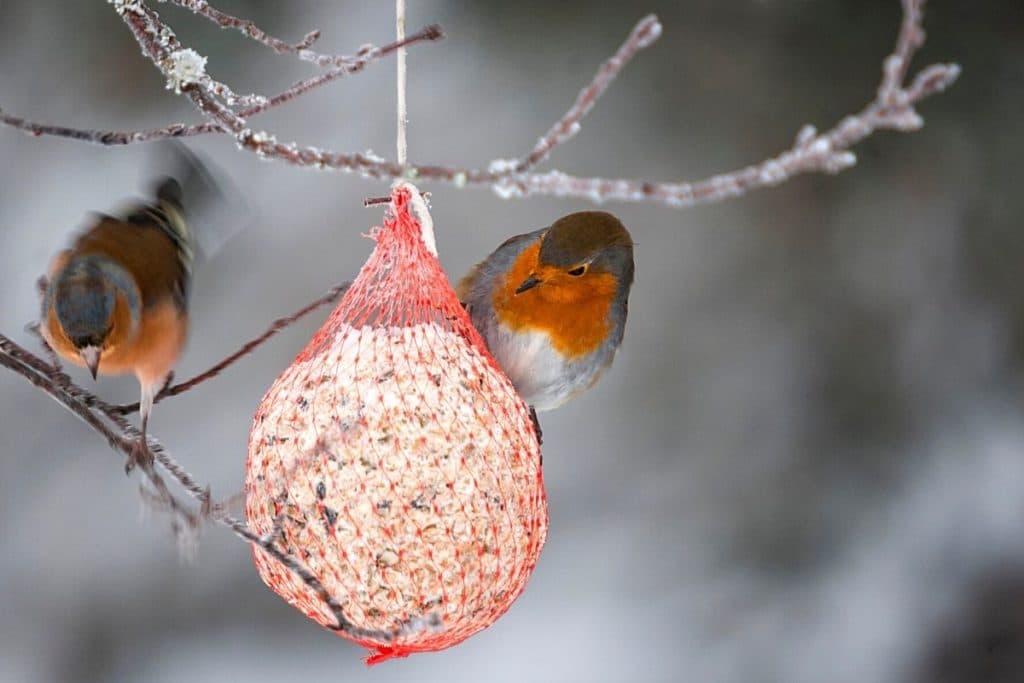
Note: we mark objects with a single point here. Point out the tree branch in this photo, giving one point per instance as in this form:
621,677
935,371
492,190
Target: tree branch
828,152
330,297
892,108
349,66
300,49
251,30
643,35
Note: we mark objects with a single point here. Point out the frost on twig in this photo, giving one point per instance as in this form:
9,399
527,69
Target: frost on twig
227,21
301,49
183,68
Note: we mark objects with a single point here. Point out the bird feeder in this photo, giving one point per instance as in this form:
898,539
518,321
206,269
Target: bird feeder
397,461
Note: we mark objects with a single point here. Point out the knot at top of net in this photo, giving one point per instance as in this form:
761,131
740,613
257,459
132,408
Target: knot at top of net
402,283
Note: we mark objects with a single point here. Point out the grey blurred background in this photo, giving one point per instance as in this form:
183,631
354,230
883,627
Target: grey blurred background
807,463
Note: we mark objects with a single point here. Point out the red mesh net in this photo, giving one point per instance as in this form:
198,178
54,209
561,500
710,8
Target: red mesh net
397,460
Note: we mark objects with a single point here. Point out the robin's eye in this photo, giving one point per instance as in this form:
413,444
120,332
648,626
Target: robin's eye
578,270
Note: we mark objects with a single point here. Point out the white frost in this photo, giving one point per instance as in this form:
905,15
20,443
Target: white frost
501,165
507,190
772,172
805,135
184,67
821,146
840,161
652,35
570,132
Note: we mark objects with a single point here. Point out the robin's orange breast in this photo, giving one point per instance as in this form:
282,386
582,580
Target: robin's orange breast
154,350
572,311
150,353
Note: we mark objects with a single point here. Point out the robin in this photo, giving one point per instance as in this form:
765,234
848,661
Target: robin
551,305
116,302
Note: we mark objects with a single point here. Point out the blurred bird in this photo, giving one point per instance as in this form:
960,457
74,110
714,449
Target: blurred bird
551,305
116,302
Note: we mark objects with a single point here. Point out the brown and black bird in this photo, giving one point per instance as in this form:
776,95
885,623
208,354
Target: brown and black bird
116,301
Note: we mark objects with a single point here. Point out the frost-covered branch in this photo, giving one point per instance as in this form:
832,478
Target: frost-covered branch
828,152
161,45
643,35
150,30
248,28
347,66
301,49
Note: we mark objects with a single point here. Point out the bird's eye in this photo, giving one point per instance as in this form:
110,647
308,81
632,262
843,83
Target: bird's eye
578,270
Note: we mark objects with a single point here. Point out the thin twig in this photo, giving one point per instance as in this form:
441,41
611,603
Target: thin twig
330,297
642,36
300,49
248,28
11,356
353,65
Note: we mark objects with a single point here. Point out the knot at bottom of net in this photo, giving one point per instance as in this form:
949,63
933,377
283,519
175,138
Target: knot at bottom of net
402,471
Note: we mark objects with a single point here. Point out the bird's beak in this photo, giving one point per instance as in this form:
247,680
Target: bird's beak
528,283
91,357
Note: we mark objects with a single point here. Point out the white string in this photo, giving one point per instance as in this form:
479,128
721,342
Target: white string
403,146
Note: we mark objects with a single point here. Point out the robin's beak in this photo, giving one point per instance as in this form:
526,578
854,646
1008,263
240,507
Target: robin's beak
91,357
528,283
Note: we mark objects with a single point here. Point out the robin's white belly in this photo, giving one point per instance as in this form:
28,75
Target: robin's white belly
540,374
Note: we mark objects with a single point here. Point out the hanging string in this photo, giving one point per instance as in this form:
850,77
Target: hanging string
403,147
403,114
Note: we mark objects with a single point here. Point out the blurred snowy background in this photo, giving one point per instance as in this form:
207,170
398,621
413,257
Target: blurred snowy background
807,463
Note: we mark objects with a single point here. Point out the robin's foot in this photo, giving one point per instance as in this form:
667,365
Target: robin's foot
536,426
206,507
138,455
36,331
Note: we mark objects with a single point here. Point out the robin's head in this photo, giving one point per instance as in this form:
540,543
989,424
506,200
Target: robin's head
96,304
581,256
